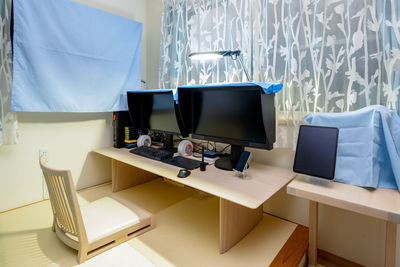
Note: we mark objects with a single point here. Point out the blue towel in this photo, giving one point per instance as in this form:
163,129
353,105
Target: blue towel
368,148
70,57
267,88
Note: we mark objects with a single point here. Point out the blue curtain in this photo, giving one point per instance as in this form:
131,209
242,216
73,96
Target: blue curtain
70,57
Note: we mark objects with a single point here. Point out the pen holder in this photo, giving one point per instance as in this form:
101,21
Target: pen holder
202,164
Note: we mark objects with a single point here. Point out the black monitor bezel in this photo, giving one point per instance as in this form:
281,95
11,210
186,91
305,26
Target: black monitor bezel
336,149
179,121
245,143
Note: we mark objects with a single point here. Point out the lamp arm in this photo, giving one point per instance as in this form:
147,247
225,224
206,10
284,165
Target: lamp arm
244,69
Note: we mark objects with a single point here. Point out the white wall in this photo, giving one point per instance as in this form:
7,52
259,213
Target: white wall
153,20
69,137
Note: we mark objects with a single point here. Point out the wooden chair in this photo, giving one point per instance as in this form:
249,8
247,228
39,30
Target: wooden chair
96,226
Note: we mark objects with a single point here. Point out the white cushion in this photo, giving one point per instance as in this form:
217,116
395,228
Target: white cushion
108,215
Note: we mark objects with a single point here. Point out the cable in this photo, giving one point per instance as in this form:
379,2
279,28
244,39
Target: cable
224,149
196,155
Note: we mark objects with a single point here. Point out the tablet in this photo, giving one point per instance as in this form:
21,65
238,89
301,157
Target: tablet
316,151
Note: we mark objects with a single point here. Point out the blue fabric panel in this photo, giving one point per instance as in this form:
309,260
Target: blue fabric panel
268,88
70,57
368,148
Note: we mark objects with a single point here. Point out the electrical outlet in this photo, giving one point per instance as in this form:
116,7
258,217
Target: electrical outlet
43,152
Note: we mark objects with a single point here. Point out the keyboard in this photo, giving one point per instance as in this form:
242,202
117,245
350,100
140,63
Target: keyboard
183,162
152,153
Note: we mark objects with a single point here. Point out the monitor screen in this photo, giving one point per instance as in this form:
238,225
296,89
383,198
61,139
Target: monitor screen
229,115
241,115
154,111
316,151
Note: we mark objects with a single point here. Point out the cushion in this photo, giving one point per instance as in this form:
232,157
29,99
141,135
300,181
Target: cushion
108,215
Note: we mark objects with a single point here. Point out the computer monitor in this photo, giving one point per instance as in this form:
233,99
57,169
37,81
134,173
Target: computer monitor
155,110
237,115
316,151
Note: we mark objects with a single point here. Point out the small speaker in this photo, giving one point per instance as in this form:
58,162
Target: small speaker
185,148
144,140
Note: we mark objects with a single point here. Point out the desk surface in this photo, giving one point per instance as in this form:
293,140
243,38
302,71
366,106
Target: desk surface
261,183
380,203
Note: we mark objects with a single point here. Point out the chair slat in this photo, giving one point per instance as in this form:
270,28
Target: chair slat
63,211
60,204
67,209
52,196
60,212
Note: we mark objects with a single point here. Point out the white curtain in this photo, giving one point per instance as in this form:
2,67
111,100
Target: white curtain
194,26
331,55
8,118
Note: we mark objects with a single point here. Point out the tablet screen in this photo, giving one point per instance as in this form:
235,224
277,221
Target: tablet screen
316,151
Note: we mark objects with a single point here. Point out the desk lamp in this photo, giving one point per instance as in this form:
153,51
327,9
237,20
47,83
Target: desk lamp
212,55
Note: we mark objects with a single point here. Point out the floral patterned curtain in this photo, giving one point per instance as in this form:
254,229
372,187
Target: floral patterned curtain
205,25
331,55
8,118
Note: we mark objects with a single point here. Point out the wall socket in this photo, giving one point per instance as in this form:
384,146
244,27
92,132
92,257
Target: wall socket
43,152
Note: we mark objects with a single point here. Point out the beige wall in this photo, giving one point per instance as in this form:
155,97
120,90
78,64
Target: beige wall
69,137
153,20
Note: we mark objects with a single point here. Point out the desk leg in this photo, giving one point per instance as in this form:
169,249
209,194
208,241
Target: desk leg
125,176
235,222
390,246
313,234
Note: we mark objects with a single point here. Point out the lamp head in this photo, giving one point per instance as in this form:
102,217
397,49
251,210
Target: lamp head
212,55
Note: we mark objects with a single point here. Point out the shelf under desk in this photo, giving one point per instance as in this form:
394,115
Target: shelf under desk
240,199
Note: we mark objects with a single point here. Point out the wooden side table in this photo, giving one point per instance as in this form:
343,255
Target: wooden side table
380,203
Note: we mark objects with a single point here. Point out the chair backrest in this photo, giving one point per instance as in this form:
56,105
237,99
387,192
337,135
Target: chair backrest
64,203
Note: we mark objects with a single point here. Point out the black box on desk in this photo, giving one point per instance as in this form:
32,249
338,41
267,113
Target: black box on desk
121,119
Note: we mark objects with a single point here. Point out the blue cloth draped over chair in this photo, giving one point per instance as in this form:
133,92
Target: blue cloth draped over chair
70,57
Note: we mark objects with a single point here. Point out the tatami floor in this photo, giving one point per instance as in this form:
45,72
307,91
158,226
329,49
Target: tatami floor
186,233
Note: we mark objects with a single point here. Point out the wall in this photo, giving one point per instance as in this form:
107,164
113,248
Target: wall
153,20
69,137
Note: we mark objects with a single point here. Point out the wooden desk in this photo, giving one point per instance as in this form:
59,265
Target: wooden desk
380,203
240,199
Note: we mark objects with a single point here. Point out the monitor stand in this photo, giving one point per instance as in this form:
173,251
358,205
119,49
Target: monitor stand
228,163
169,141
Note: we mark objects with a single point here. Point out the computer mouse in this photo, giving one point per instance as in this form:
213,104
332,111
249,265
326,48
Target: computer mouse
183,173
